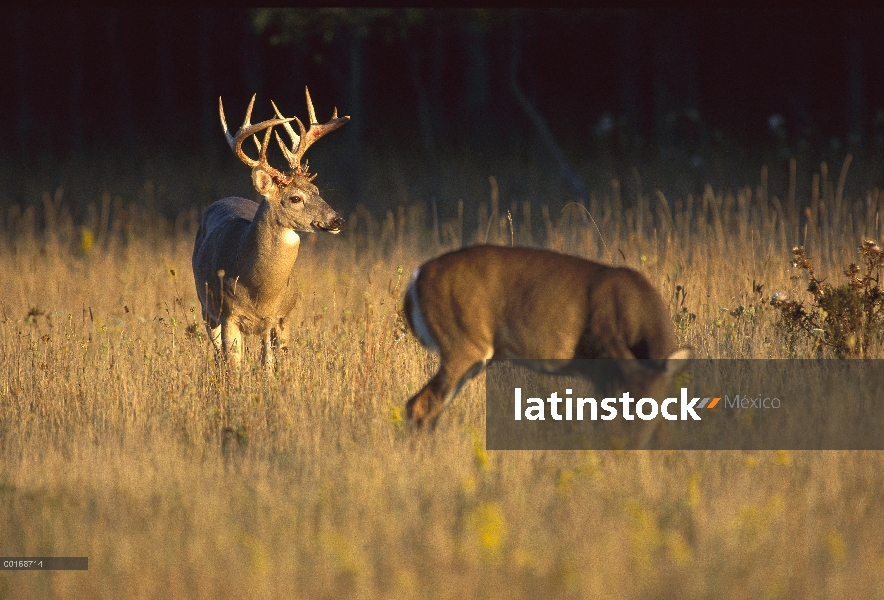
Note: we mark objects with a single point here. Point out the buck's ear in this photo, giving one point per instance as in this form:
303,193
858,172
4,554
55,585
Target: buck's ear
263,182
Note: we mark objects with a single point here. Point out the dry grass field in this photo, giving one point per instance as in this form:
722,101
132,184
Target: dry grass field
121,440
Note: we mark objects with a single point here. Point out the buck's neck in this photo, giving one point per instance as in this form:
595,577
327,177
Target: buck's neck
270,250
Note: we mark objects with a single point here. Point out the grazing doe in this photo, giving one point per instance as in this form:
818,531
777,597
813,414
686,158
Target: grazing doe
486,302
245,252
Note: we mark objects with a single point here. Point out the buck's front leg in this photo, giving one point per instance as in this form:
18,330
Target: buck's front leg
214,331
273,342
268,349
231,342
281,335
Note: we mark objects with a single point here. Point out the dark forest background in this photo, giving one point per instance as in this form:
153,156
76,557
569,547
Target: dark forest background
554,103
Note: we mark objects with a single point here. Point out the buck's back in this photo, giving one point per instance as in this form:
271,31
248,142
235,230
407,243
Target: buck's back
229,214
222,227
220,234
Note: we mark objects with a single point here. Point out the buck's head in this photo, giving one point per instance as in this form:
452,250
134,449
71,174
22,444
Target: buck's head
294,200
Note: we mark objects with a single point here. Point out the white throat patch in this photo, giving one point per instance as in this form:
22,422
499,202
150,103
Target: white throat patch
290,237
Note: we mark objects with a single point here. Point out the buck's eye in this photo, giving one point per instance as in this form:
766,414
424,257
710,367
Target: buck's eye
296,199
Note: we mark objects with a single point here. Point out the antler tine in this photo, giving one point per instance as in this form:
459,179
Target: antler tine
310,112
263,157
248,120
316,131
248,130
231,140
285,151
288,128
224,122
296,139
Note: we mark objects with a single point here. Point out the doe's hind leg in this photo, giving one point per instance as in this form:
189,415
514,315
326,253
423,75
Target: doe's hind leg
423,408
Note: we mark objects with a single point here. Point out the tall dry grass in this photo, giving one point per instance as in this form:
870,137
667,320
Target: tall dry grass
120,439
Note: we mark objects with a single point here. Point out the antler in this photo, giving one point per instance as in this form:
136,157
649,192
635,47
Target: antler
246,130
300,143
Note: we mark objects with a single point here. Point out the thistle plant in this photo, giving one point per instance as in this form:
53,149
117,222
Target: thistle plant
846,318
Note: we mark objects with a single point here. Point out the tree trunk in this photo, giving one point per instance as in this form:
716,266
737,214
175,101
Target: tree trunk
623,155
629,55
544,135
23,119
121,81
250,61
208,98
476,93
856,101
802,84
356,126
425,119
437,63
165,102
77,54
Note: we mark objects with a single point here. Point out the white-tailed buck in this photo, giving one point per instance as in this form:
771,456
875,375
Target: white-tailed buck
245,252
486,302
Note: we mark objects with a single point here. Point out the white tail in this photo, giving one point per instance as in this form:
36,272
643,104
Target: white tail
245,252
486,302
